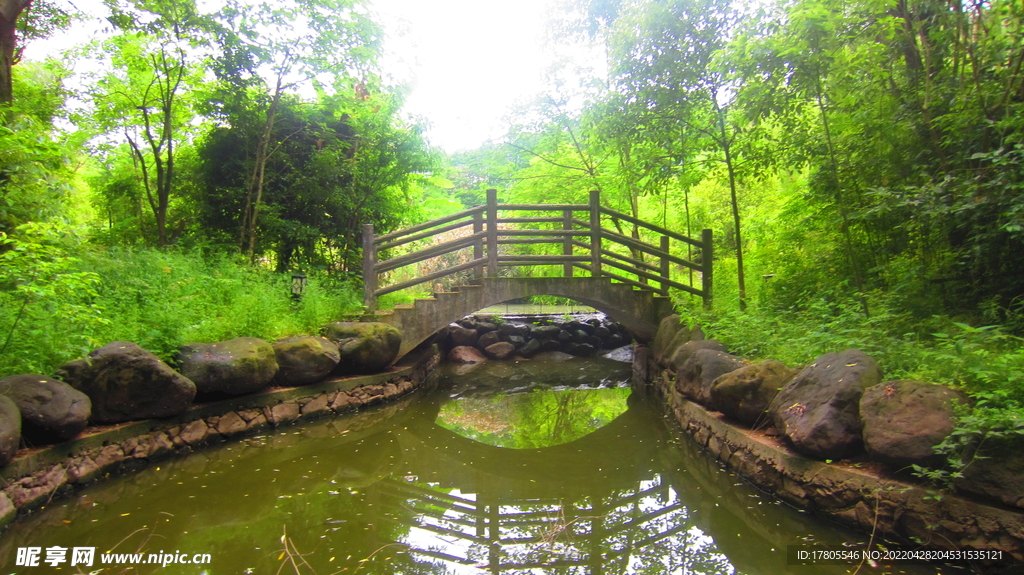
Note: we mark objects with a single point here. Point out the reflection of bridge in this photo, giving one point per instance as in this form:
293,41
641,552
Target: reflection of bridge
503,242
593,505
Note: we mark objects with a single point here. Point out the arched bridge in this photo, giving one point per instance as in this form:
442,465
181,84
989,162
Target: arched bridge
472,270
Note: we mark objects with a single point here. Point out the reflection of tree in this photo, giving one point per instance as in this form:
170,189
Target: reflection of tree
533,420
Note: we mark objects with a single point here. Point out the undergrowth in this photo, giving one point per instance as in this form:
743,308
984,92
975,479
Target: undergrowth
984,362
55,307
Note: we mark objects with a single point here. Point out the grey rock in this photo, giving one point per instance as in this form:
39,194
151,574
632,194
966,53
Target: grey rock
463,336
125,382
818,411
10,430
366,347
51,410
680,355
488,339
530,348
695,377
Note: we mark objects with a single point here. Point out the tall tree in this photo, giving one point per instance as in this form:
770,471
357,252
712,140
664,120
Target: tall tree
22,20
10,11
267,50
146,95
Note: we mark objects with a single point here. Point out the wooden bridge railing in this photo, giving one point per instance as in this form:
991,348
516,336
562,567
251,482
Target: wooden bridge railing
491,229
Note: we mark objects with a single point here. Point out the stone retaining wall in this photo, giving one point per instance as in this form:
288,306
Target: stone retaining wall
35,477
871,502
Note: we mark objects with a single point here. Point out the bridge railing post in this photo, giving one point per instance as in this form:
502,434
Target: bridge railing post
595,233
567,242
665,270
369,274
707,256
492,233
478,246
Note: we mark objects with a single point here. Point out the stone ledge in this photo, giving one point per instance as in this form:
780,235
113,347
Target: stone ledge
888,507
36,476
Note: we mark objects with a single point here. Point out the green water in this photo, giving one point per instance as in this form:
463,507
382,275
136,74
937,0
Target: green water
540,467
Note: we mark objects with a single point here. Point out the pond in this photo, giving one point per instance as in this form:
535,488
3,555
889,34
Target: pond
541,466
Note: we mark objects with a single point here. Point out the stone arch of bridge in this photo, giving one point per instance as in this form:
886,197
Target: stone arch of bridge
639,311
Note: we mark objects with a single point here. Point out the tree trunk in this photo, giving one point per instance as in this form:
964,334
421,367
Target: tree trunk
10,10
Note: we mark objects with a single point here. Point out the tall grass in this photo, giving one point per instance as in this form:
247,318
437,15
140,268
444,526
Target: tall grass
56,308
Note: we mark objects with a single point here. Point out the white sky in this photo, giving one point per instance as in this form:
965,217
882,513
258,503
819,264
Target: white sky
466,62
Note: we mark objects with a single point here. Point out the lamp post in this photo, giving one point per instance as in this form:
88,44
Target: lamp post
298,286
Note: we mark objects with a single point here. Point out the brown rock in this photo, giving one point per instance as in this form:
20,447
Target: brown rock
194,432
317,406
282,413
231,424
500,350
465,354
904,420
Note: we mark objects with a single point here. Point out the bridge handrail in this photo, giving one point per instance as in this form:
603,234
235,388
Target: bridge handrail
488,234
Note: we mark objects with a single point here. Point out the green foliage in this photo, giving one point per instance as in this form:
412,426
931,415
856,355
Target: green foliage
49,305
158,299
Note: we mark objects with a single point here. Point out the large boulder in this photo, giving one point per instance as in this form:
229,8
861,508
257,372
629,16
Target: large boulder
744,394
125,382
819,409
679,356
234,367
695,377
366,347
51,410
10,430
904,420
304,359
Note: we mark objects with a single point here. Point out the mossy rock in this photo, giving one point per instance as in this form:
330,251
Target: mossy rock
305,359
234,367
366,347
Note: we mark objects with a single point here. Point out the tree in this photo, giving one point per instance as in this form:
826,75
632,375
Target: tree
302,41
338,163
147,96
10,11
28,19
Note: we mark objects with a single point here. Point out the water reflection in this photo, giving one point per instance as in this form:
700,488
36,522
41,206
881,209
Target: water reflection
392,491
